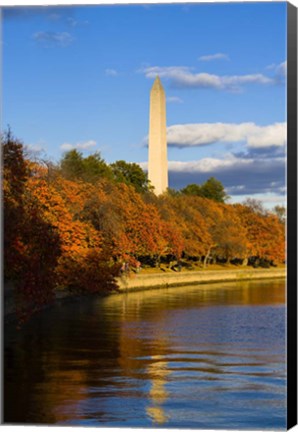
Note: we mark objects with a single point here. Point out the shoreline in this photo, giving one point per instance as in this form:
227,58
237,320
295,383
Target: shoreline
139,281
143,282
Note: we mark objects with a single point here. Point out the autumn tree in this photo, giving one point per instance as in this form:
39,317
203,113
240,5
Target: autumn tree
265,234
31,244
15,175
280,212
72,226
255,205
229,236
196,234
84,255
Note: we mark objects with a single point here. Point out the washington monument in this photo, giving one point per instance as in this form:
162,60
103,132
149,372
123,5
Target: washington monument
157,158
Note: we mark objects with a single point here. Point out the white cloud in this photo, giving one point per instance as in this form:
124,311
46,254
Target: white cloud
237,188
182,76
217,56
267,136
111,72
174,99
58,38
279,69
204,165
35,148
268,199
241,175
191,135
209,165
67,147
85,145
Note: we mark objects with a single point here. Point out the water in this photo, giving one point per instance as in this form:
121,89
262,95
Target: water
194,357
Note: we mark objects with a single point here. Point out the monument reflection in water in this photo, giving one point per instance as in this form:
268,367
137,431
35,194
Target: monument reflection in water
212,357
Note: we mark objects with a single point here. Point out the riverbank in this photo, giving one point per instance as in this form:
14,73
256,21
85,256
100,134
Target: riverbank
139,281
147,281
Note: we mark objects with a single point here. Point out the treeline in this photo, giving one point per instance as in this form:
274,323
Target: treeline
75,223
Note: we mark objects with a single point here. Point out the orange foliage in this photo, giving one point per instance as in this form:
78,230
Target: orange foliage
74,234
265,234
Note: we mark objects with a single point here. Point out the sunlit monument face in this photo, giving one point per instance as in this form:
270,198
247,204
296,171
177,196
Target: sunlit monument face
157,161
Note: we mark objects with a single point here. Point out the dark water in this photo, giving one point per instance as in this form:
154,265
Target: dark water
212,357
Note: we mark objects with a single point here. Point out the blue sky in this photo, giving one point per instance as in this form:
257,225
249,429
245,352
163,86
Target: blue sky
80,77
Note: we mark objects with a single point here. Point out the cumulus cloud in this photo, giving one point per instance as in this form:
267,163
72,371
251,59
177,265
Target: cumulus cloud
209,165
239,175
174,99
111,72
268,136
85,145
62,39
206,165
182,76
217,56
198,134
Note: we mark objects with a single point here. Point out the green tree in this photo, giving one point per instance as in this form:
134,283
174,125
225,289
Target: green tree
214,189
131,174
211,189
72,165
90,169
173,192
192,189
95,167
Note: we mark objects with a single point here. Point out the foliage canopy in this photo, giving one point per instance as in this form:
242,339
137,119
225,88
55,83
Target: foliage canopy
75,229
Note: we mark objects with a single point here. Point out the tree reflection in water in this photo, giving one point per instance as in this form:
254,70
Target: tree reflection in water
201,357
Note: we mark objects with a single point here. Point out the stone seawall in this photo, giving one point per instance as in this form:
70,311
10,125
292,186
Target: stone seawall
136,282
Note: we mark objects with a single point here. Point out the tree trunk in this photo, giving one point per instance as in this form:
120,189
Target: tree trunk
207,257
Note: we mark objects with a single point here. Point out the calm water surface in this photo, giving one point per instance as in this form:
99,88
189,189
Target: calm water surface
207,357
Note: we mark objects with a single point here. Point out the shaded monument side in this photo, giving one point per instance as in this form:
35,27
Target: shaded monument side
157,160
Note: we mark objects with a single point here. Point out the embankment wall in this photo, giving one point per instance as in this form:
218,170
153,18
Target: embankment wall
140,281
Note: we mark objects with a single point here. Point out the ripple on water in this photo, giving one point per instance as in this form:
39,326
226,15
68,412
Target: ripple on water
211,358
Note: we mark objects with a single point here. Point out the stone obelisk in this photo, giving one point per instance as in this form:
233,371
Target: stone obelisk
157,158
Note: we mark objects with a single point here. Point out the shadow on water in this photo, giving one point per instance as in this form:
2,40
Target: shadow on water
199,357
